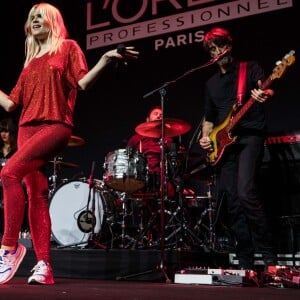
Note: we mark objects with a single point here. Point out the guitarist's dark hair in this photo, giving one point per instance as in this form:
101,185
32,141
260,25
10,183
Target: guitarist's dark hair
217,35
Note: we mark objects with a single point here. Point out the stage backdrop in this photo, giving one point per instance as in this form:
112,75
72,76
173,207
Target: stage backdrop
169,36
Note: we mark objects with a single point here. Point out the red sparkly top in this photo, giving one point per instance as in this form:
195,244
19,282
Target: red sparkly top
47,86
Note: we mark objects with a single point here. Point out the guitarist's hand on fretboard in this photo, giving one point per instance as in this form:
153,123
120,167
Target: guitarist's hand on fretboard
261,95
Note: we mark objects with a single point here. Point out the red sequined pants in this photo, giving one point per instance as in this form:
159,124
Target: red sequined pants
36,146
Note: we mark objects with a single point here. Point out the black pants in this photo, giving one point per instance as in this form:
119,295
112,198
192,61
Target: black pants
237,178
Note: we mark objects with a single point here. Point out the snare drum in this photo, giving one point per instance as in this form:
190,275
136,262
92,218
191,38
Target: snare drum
125,170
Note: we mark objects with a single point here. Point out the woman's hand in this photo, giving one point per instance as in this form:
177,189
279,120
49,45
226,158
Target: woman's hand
126,53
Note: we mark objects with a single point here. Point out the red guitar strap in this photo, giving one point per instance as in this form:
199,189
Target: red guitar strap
242,83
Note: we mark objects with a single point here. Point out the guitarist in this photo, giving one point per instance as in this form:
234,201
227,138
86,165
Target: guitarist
236,172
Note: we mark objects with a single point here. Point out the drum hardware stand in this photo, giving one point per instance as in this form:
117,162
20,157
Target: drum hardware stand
124,236
177,217
145,237
54,176
210,211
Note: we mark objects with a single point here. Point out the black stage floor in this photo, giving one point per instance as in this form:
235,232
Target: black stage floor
123,264
68,288
89,273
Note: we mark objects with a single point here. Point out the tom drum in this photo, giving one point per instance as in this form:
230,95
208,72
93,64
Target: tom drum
125,170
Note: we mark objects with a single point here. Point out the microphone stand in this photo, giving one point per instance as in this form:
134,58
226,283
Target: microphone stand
93,206
168,83
163,195
163,189
163,184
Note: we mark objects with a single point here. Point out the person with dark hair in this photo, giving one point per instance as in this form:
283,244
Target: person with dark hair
55,69
237,166
8,141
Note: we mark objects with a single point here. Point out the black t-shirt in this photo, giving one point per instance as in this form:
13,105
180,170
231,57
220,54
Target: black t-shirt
221,95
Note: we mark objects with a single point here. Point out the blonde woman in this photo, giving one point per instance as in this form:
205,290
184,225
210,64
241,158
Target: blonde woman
54,69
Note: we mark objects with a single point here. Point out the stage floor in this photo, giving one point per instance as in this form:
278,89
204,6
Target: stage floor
139,264
66,288
123,264
134,274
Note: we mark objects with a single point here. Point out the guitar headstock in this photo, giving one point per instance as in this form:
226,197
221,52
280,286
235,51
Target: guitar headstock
281,66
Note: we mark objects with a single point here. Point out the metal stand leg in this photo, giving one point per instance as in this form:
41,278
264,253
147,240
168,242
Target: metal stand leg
54,176
210,227
181,234
126,240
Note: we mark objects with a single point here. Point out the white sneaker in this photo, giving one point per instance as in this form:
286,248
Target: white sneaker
42,274
10,262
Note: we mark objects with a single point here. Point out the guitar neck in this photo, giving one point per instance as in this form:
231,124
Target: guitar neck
242,111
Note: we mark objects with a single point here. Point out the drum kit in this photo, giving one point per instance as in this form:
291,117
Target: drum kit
122,210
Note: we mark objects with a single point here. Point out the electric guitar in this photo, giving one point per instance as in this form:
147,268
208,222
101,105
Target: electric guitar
221,136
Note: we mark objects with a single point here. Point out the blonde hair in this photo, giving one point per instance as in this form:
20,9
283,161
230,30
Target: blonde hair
57,30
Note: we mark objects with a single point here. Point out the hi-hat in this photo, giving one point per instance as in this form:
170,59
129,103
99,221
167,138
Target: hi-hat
172,127
75,141
63,164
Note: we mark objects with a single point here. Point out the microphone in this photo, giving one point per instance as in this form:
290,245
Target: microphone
220,56
121,50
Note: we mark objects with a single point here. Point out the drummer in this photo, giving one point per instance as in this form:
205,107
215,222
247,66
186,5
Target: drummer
150,147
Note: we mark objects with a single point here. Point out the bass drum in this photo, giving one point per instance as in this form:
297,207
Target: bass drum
77,212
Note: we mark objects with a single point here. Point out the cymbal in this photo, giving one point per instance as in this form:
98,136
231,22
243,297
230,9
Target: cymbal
173,127
63,164
75,141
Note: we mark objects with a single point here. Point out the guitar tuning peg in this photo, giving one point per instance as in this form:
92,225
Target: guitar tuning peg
292,52
278,62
